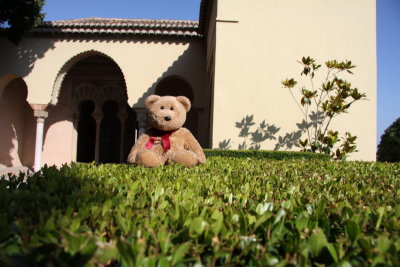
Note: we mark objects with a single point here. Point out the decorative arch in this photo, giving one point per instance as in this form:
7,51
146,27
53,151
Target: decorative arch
113,92
69,64
85,91
88,91
94,77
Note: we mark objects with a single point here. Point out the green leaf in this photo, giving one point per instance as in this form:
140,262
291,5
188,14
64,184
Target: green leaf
381,212
264,207
365,245
106,207
383,244
107,252
126,253
317,241
333,252
281,214
197,226
163,262
149,262
89,247
218,224
180,252
301,222
159,191
353,230
75,225
261,220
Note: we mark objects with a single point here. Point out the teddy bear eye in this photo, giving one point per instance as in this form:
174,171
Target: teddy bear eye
172,108
162,107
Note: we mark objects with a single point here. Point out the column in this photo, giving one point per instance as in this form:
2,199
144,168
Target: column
97,117
75,121
40,115
122,115
141,117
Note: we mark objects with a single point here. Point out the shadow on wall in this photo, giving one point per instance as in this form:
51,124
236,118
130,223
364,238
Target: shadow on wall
254,135
180,68
21,59
16,121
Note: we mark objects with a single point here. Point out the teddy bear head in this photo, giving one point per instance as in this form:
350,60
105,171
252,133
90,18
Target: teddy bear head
167,113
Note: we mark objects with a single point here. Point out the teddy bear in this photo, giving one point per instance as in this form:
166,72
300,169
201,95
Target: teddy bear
167,141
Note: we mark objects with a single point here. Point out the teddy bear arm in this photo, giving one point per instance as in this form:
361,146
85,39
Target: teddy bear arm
139,145
195,147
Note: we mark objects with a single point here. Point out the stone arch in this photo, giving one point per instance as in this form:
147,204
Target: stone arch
113,92
97,78
84,92
69,64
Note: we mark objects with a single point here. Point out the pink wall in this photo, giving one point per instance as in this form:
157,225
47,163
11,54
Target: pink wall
57,143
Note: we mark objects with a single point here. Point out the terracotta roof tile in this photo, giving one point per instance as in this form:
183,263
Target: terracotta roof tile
120,27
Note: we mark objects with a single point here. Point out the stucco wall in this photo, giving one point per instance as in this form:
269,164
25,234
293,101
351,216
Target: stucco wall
58,131
15,120
257,46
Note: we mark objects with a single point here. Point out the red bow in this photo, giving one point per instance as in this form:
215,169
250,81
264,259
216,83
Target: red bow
166,143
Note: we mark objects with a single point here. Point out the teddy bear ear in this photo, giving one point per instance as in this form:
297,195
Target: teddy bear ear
150,100
184,101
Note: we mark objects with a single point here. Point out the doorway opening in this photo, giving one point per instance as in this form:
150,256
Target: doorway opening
86,133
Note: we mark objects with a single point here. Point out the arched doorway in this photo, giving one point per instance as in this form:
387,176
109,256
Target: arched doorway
177,86
98,80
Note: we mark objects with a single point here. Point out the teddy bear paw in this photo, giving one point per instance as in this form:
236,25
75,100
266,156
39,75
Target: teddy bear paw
186,158
149,159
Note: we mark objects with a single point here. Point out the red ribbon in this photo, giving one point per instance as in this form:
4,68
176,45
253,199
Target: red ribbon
166,143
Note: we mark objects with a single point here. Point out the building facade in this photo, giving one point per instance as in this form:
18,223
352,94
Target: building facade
74,90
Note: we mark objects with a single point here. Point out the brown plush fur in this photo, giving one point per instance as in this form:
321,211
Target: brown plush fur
184,149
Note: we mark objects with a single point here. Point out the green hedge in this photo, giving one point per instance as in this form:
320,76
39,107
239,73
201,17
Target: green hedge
264,154
227,212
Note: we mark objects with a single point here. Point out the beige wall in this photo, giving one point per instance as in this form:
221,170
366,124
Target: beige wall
257,46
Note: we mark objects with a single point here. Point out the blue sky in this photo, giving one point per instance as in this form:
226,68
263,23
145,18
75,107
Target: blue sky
388,36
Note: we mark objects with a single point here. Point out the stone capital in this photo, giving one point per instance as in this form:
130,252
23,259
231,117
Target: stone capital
40,114
41,107
97,117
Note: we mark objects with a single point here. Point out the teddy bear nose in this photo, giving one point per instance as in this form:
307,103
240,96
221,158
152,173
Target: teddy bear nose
167,118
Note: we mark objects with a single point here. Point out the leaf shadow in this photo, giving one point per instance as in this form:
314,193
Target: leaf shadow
254,134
